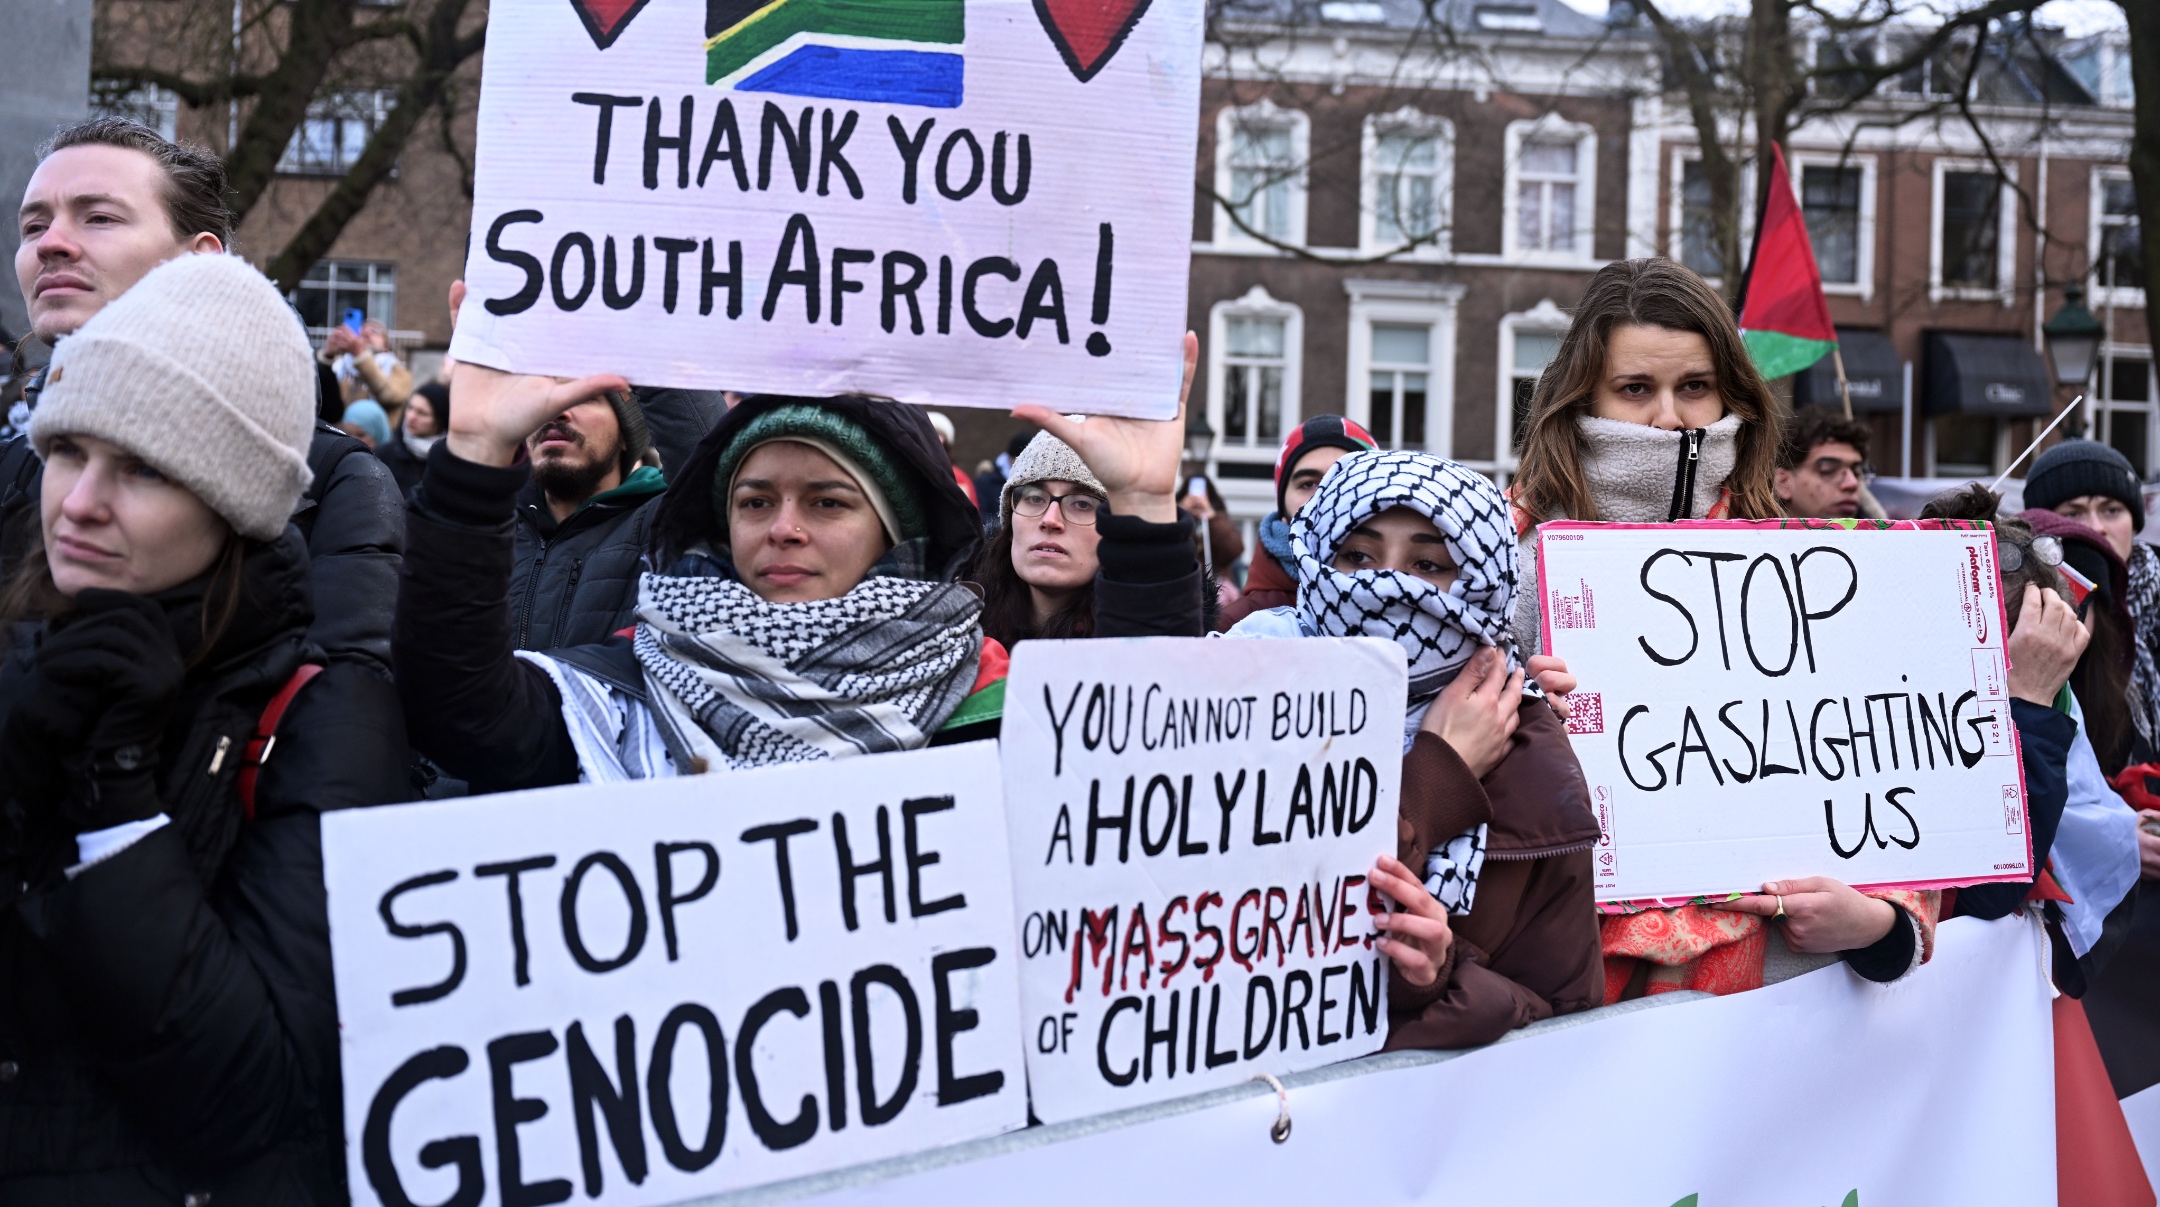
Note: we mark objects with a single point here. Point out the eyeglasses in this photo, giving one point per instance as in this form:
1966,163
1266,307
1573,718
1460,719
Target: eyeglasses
2046,550
1833,468
1078,507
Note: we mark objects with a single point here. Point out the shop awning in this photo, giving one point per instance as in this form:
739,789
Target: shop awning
1984,375
1872,370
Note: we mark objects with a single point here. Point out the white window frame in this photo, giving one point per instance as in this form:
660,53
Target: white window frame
154,100
1546,319
1864,259
1676,205
2103,402
1257,302
1412,121
1434,305
1263,111
1553,126
2005,235
2099,294
336,106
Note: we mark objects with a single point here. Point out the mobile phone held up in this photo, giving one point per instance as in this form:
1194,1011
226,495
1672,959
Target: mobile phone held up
353,319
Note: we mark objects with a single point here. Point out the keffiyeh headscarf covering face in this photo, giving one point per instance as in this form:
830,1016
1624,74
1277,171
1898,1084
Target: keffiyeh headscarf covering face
1439,630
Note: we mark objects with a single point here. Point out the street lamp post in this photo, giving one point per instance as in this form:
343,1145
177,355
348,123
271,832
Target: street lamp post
2073,339
1199,439
1199,442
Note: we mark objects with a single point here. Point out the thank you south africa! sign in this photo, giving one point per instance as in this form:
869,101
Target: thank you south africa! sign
971,202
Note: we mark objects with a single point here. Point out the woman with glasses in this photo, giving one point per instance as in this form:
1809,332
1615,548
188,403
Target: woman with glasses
1049,571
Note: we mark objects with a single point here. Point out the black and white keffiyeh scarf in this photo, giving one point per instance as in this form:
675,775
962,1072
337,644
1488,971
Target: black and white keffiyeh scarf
1438,630
2145,619
742,682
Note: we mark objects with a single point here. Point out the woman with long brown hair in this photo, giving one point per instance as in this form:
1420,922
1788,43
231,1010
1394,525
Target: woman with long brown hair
1653,413
1650,413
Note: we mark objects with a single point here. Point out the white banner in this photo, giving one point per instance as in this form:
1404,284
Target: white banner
1765,700
968,202
1191,825
1819,1091
646,992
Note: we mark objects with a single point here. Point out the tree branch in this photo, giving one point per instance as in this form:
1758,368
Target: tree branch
195,94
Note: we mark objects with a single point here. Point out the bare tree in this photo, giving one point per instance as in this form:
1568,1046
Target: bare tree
1747,70
269,60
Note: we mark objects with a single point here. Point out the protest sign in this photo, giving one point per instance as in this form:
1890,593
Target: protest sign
654,990
1191,825
1771,699
1864,1077
971,202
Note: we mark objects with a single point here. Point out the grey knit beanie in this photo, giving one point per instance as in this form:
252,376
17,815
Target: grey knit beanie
202,370
1046,459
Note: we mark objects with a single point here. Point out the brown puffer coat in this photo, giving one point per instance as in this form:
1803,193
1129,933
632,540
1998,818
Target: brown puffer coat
1528,948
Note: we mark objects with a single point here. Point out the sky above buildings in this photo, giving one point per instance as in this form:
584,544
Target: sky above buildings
2076,17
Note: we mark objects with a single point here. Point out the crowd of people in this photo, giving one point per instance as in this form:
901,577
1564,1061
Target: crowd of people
213,535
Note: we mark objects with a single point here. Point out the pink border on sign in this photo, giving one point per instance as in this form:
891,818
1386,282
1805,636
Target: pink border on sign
2017,751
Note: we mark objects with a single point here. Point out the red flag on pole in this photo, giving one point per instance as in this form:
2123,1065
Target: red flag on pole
1784,318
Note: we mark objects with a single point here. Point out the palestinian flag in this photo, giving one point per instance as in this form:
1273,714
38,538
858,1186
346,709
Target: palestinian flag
1783,317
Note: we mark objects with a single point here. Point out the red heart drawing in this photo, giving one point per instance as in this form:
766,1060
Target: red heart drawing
606,19
1087,33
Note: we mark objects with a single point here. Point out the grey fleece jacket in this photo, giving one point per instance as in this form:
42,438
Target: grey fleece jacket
1632,470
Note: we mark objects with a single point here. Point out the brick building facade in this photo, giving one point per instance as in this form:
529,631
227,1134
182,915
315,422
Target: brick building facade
1419,198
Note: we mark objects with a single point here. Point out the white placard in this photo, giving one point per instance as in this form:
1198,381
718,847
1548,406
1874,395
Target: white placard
965,202
645,992
1766,700
1191,825
1477,1130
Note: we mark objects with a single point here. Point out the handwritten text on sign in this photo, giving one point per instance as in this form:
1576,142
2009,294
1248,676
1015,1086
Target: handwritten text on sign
953,201
646,992
1191,826
1762,700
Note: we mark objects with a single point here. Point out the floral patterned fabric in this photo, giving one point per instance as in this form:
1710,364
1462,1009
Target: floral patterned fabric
1693,946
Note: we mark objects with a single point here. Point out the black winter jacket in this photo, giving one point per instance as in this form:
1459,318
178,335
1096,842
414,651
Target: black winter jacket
496,721
168,1024
352,517
576,581
2044,736
404,464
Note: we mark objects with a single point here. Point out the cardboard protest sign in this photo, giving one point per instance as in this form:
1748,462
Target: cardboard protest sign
1775,699
652,991
969,202
1191,824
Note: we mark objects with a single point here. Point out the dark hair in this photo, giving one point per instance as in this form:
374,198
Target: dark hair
1813,427
2101,678
1650,292
194,177
1008,613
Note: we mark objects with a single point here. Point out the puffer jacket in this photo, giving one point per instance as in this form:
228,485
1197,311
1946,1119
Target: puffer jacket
496,720
352,517
575,582
168,1023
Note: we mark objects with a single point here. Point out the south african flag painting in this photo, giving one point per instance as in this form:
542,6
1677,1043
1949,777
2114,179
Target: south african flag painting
902,52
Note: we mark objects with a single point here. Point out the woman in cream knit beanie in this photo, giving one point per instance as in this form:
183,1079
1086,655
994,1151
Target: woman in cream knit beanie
142,858
1037,572
203,371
